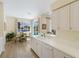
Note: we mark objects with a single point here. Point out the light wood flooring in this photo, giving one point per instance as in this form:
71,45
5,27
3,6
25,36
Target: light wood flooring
18,50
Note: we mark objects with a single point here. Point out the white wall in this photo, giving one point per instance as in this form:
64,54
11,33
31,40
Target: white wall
10,24
2,40
22,19
43,20
1,0
1,19
2,45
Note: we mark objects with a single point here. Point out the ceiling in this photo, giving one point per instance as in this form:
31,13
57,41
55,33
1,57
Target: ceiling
26,8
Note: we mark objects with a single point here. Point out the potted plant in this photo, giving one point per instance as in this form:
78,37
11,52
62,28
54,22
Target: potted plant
9,36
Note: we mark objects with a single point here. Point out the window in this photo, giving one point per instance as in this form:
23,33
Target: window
23,27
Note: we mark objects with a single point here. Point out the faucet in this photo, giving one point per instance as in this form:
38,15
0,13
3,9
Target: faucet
43,35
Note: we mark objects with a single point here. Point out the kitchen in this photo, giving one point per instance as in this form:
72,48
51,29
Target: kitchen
54,32
65,44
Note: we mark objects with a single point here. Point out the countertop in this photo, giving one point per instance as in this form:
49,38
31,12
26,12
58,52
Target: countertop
66,46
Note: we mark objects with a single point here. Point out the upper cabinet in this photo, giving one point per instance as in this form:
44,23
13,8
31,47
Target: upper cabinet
67,17
63,18
74,11
60,3
55,20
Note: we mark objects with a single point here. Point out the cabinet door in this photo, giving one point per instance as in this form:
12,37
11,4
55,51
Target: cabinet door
47,51
74,10
63,18
55,20
39,47
35,45
32,43
60,54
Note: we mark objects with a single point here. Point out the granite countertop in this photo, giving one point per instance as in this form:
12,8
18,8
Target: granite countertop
66,46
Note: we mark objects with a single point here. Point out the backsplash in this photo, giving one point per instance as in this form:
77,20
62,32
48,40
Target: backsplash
68,35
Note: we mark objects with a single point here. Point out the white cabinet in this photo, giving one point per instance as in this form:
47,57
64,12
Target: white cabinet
74,12
55,20
47,51
41,49
60,54
60,3
63,18
67,17
33,44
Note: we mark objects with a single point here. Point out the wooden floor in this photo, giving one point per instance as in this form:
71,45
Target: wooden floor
18,50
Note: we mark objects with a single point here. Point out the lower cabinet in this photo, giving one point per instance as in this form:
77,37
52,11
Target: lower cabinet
60,54
44,50
34,45
47,51
41,49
